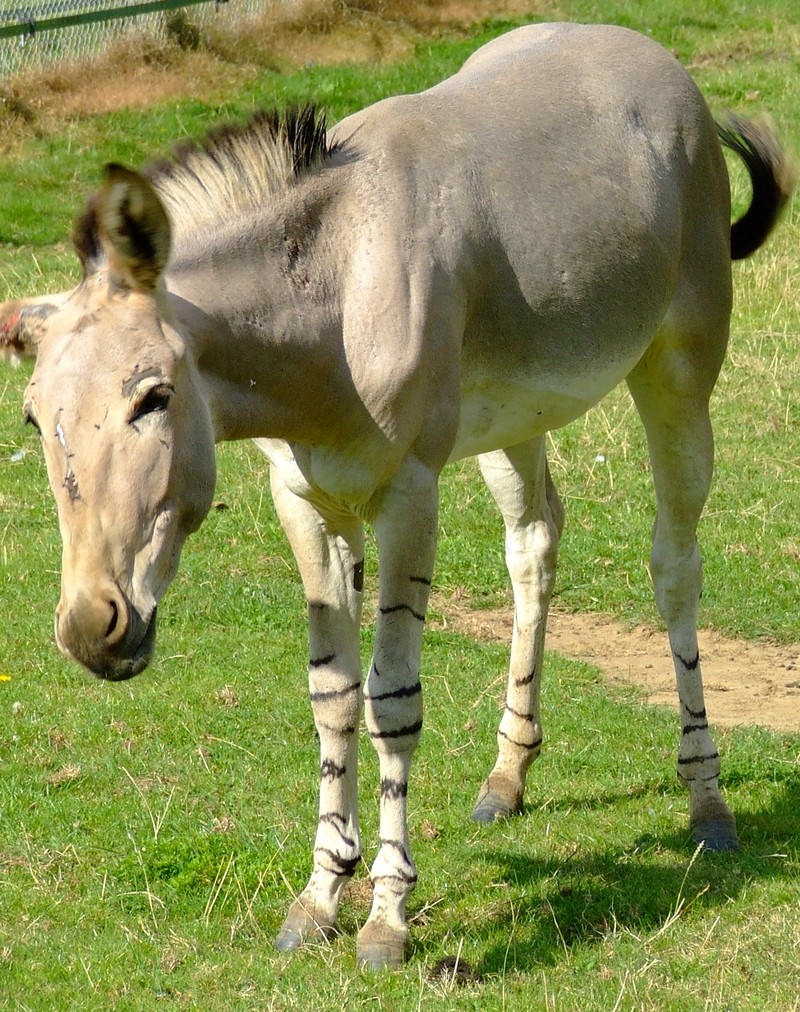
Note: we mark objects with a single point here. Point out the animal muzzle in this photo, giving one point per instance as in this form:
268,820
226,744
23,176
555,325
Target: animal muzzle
105,633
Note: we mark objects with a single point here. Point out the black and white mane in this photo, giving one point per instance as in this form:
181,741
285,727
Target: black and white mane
226,174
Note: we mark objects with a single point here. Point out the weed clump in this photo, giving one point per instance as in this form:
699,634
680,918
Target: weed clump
182,31
14,109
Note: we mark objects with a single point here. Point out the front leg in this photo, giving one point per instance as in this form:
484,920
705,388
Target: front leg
406,531
331,561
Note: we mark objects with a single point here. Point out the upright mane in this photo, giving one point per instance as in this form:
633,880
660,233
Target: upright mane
234,167
224,175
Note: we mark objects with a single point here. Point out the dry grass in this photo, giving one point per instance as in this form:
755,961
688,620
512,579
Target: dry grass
142,71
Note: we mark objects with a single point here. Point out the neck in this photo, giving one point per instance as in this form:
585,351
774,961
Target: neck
257,305
261,374
258,302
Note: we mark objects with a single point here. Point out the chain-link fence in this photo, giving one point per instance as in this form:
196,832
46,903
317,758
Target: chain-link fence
35,33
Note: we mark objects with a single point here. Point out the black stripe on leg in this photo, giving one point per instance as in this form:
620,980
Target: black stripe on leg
527,679
522,716
345,866
399,875
323,697
398,846
689,665
402,607
330,771
347,730
521,744
402,878
691,780
403,693
338,822
420,579
691,728
393,789
699,759
695,714
401,732
319,662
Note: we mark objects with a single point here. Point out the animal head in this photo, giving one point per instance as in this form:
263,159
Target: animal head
116,392
125,430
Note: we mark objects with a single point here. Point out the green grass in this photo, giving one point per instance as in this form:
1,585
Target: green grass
152,833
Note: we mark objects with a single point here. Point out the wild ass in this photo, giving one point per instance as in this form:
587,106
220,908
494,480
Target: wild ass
444,274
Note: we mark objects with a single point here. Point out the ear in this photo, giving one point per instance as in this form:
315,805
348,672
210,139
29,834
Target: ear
24,322
133,228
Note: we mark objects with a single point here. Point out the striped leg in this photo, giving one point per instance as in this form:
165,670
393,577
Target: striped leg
681,448
406,530
520,482
331,561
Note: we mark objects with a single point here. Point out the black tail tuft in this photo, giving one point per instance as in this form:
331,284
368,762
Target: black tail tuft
773,175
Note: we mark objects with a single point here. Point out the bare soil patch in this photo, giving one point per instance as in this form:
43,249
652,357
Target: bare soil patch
746,683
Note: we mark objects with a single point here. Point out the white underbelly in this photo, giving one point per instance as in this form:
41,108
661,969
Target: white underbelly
496,414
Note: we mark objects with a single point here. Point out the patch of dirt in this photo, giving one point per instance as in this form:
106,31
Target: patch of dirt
426,14
745,682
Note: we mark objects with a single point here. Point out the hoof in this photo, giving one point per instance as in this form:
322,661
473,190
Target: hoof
381,949
716,835
491,807
301,927
288,940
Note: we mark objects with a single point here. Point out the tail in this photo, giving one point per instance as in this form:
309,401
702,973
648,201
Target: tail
773,176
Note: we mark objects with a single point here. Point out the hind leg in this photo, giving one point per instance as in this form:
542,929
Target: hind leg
671,392
520,482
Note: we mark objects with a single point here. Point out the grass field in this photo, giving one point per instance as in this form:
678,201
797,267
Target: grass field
152,833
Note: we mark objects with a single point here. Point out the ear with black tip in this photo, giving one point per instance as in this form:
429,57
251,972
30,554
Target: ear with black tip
133,228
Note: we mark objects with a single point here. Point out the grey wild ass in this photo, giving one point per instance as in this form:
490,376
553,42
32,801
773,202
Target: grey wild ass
441,275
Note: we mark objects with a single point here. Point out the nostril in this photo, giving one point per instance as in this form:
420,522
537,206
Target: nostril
115,615
112,625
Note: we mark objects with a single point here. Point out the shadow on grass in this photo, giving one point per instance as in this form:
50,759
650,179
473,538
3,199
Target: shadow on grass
773,826
545,909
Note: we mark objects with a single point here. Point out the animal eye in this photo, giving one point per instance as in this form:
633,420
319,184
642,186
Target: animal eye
30,420
156,399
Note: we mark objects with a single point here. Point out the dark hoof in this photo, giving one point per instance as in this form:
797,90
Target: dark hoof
300,928
716,835
288,940
490,807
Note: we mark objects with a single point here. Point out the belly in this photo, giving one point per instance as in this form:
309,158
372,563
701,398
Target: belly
497,412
